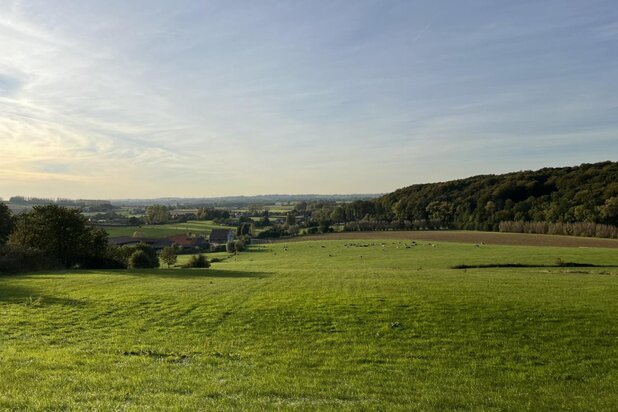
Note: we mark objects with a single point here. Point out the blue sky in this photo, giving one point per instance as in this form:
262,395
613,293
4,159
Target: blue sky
114,99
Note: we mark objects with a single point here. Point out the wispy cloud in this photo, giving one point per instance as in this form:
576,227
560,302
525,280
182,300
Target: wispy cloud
148,98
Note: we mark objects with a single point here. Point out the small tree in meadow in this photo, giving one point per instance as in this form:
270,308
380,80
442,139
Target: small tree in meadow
230,247
143,256
198,261
140,260
168,256
240,245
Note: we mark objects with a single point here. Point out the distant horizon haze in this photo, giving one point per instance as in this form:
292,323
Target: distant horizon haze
273,194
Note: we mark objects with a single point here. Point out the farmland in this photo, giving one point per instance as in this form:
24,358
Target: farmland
469,236
160,231
323,324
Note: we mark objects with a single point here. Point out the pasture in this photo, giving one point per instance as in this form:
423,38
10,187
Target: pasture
199,227
314,325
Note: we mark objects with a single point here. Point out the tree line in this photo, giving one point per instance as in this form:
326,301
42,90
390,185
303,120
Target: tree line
53,237
581,200
583,194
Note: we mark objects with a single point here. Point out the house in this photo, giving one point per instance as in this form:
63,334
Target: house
190,242
184,213
222,236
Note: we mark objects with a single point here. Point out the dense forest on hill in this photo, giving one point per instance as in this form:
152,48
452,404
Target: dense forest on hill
586,193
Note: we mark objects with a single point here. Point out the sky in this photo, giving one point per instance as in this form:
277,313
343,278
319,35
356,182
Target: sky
136,99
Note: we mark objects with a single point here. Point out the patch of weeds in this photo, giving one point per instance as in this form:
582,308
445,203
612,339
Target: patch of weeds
34,302
559,264
228,355
171,357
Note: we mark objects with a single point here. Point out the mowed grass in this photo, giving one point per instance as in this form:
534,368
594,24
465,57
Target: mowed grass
317,326
160,231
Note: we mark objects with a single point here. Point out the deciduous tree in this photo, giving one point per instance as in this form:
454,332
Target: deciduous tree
6,222
61,232
168,256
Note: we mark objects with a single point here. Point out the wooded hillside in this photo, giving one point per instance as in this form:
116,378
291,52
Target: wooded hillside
585,193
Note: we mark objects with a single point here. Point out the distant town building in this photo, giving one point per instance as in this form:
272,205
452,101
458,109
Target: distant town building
186,241
221,236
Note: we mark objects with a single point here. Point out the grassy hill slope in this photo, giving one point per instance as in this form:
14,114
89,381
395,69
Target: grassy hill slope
315,325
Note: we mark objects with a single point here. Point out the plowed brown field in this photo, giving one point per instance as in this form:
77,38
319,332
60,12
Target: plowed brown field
496,238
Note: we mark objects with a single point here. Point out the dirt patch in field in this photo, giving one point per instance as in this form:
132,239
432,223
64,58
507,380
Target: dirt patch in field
495,238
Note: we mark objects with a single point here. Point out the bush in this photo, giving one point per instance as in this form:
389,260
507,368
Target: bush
102,262
114,257
272,232
230,247
240,245
140,260
14,259
168,256
141,256
153,259
311,230
198,261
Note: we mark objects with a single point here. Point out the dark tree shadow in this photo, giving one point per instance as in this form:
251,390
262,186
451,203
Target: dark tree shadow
179,273
33,298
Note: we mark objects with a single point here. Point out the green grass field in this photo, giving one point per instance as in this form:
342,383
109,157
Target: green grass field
315,326
159,231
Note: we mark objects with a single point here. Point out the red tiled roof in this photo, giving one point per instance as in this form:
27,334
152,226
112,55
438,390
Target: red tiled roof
184,240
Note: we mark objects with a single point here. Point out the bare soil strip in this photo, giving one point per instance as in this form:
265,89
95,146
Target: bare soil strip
495,238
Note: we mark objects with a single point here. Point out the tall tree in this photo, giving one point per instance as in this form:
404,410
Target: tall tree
157,214
6,222
60,232
168,256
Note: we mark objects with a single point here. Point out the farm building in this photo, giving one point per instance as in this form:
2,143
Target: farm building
184,213
186,241
221,236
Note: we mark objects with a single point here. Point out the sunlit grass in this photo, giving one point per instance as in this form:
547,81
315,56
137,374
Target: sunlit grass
346,325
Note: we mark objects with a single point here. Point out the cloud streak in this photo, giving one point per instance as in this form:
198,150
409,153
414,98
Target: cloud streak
137,99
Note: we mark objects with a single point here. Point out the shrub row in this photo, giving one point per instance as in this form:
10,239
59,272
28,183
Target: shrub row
586,229
15,259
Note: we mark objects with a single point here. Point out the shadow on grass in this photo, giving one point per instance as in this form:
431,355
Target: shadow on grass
255,249
524,265
32,298
192,273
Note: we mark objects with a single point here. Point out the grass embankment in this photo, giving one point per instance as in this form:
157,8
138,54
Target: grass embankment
348,325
